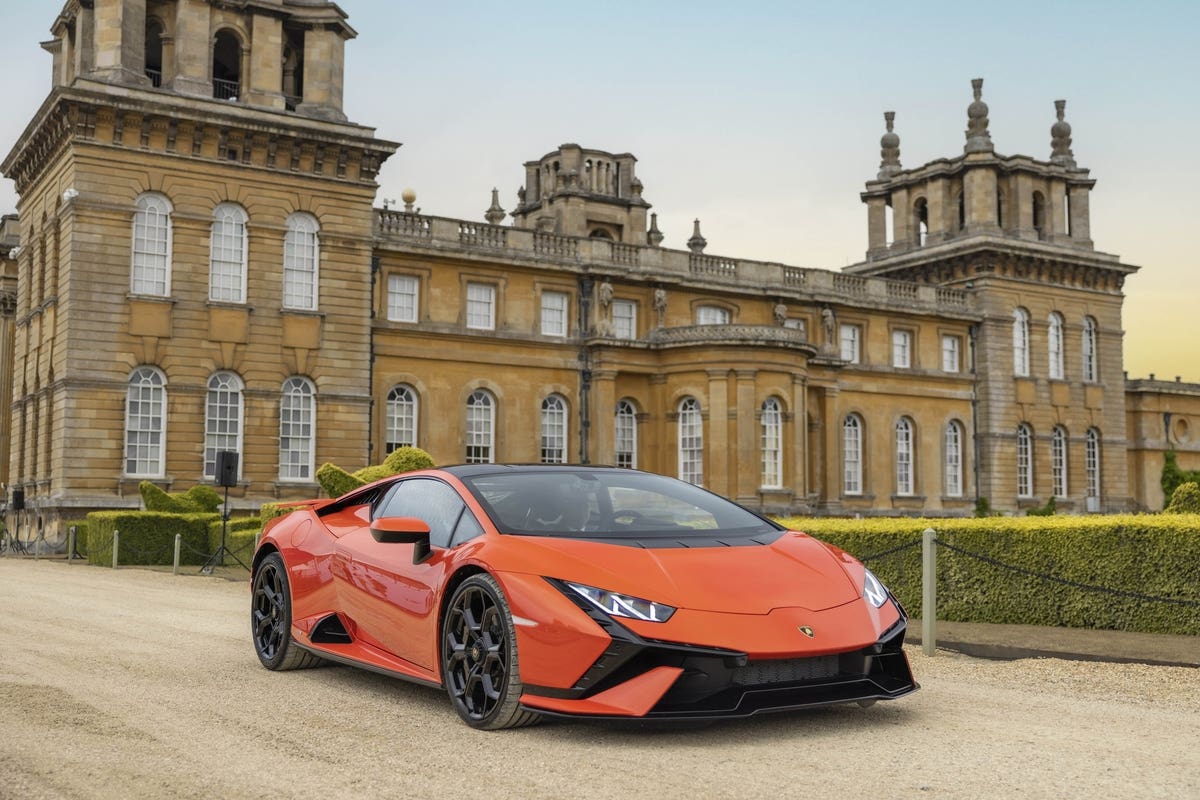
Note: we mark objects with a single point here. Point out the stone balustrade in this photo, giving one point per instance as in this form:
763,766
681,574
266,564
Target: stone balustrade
399,230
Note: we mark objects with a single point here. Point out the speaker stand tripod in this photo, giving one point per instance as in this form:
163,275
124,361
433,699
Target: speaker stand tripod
217,559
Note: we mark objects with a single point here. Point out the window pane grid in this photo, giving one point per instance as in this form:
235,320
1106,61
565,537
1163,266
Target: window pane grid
953,447
625,436
300,266
402,298
1092,463
691,442
151,246
624,319
554,314
222,420
401,423
1058,462
904,457
772,445
1054,340
481,306
227,257
144,424
1020,342
1024,462
850,343
852,456
950,361
296,413
554,431
1089,350
481,419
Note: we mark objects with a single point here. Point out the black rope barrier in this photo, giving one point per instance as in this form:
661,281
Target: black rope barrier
1066,582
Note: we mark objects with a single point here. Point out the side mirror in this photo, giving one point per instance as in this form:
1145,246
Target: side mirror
404,530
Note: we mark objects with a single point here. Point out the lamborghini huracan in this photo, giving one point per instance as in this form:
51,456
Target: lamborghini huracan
569,591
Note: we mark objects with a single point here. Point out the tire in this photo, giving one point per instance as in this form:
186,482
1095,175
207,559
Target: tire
271,619
479,657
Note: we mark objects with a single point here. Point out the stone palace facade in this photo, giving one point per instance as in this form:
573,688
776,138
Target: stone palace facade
197,266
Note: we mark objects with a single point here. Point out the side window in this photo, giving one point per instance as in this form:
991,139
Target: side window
428,500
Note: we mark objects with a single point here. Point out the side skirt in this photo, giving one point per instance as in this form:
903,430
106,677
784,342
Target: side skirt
354,662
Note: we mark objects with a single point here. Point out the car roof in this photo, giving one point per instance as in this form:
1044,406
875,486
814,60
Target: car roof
475,470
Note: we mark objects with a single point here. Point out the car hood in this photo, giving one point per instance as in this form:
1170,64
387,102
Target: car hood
793,571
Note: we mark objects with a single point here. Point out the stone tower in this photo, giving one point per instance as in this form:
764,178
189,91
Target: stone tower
1015,232
578,192
191,198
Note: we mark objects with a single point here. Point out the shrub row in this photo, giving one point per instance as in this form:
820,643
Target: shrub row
148,537
1147,555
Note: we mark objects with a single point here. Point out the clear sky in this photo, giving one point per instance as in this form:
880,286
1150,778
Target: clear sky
763,118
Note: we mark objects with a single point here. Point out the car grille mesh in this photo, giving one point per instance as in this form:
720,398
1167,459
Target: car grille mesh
786,670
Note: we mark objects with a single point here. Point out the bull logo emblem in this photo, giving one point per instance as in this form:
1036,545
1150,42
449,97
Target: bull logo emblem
807,631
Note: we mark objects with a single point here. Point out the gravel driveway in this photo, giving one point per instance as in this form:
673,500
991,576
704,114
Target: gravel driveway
140,684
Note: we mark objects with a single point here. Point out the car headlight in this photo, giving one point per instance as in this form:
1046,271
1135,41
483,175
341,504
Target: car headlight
622,605
873,590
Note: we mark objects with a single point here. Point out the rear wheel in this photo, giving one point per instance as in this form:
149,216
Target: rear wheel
479,657
271,618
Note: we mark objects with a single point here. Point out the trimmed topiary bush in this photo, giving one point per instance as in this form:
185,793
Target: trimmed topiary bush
1185,499
205,498
335,481
155,499
407,459
373,473
1173,476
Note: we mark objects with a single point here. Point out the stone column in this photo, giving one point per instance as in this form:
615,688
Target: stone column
192,69
876,225
979,196
832,421
657,447
604,407
1056,214
264,78
1081,231
324,54
746,468
799,460
716,437
120,42
901,220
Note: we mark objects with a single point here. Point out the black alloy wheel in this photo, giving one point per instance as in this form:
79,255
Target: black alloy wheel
271,618
479,657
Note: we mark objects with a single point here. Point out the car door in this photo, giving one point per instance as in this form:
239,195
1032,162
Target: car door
391,600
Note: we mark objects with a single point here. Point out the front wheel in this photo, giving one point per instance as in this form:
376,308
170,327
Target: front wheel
479,657
271,618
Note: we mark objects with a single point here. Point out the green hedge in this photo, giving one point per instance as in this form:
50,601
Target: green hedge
148,537
1149,555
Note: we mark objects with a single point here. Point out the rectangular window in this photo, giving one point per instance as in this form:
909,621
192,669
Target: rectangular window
712,315
624,315
481,306
950,358
402,298
902,349
554,314
850,337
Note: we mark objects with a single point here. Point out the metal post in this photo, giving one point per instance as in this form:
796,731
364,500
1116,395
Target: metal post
929,592
178,540
70,543
116,546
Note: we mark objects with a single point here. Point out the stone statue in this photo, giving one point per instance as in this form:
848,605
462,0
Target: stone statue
780,313
829,322
604,323
606,294
660,304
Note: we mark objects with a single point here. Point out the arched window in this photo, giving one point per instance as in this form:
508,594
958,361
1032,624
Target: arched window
227,66
1054,344
772,444
301,254
151,270
852,453
691,442
400,428
222,420
1058,460
953,450
554,430
145,423
1091,462
1020,342
227,254
1091,370
904,457
297,429
1024,461
625,435
481,428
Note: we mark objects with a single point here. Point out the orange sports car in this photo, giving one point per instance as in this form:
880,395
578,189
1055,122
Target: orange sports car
530,591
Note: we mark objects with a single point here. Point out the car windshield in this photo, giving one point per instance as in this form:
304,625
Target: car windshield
602,503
